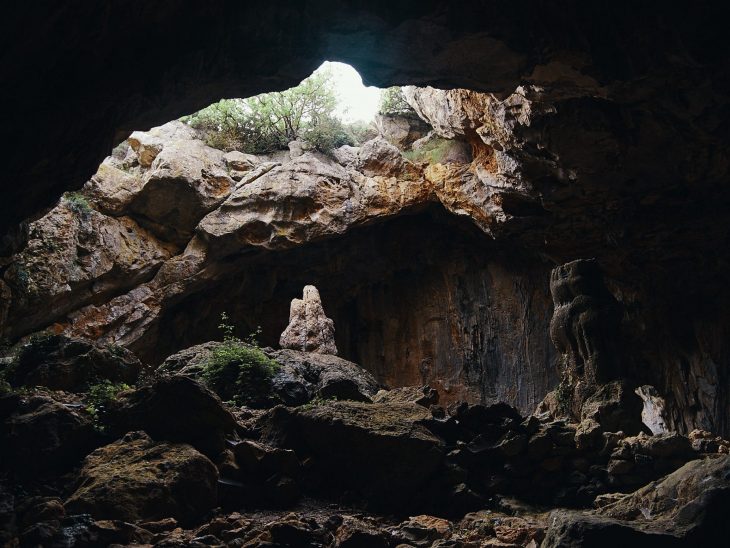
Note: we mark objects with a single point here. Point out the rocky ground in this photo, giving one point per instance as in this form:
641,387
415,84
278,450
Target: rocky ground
331,459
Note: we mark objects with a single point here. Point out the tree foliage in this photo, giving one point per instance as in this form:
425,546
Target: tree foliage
393,103
269,121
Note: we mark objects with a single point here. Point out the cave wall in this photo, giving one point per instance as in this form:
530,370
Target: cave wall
421,299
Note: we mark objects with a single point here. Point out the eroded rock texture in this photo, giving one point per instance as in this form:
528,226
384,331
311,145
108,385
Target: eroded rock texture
309,329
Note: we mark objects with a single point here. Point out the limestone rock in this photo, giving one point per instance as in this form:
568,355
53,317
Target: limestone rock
309,329
401,131
186,180
239,161
379,157
305,375
301,376
176,409
62,363
420,395
584,328
136,478
616,407
395,457
654,413
76,255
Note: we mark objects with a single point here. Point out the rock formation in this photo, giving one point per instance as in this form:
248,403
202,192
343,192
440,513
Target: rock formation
309,329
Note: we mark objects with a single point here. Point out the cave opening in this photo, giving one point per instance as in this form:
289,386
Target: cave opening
522,267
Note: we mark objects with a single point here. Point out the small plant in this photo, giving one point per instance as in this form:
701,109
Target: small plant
564,396
316,401
77,203
238,370
393,103
115,350
98,399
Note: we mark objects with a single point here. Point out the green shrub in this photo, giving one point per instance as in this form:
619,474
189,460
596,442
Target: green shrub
239,371
393,103
98,399
328,135
77,203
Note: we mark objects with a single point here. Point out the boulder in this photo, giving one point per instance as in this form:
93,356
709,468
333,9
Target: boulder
62,363
378,157
420,395
305,375
401,130
136,478
40,435
378,451
309,329
685,508
301,376
177,409
189,361
239,161
616,407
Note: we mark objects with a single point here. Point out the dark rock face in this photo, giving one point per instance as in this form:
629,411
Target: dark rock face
40,436
176,409
61,363
396,458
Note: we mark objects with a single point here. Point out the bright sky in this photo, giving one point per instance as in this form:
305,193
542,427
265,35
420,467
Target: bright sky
355,101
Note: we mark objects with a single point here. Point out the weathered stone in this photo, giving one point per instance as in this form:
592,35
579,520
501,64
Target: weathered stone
584,328
41,436
305,375
401,130
136,478
62,363
394,456
238,161
186,180
74,256
177,409
309,330
653,415
300,377
616,407
420,395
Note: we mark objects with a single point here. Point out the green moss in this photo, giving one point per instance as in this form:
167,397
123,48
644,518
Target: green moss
316,402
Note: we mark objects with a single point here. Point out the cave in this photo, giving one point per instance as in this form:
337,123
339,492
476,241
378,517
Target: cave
533,313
